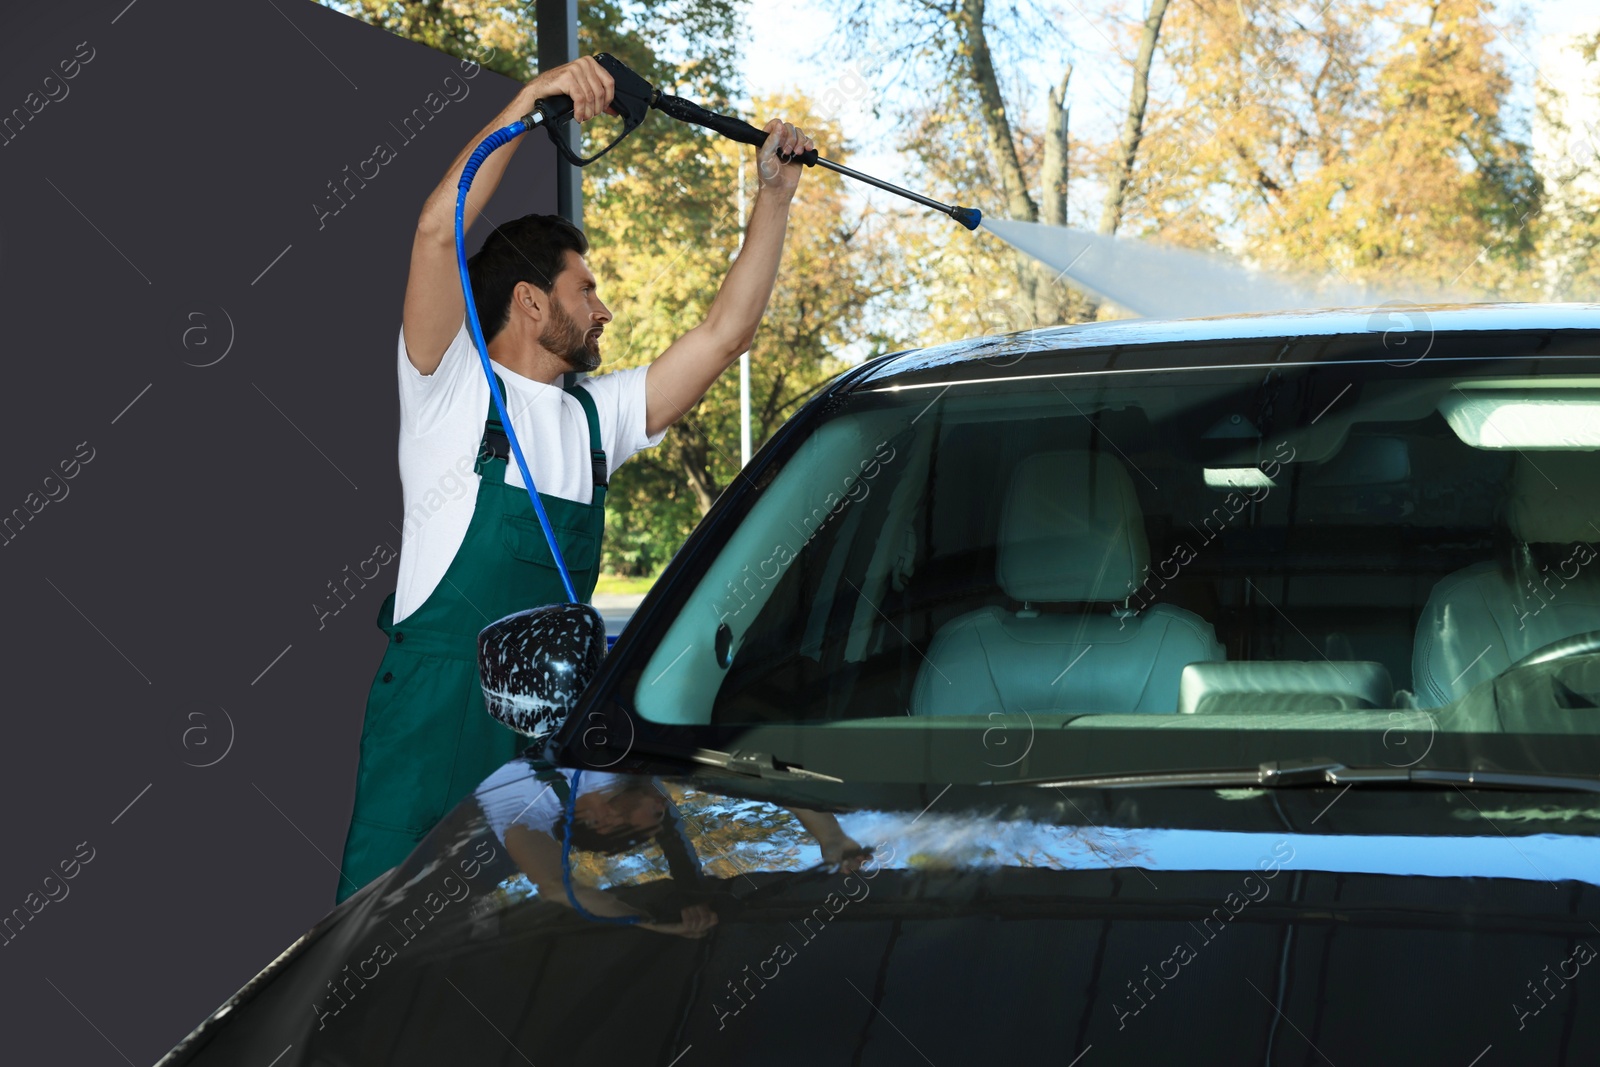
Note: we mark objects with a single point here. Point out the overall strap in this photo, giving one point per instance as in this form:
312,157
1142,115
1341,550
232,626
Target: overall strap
597,453
495,444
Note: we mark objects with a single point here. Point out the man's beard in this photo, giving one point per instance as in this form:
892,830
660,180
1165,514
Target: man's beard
570,342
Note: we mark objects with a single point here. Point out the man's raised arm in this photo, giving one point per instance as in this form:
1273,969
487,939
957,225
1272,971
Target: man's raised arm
434,304
680,376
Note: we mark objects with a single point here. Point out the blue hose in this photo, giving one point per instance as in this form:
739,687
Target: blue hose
569,810
490,143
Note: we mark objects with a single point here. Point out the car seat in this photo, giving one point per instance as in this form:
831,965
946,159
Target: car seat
1482,619
1071,532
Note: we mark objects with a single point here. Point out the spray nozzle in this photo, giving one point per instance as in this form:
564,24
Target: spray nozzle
967,216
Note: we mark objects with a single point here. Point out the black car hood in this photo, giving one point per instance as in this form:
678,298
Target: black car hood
1226,927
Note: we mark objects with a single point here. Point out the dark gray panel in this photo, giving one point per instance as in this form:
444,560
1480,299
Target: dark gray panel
160,215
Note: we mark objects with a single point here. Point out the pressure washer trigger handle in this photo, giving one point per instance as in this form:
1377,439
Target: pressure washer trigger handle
630,94
630,98
549,111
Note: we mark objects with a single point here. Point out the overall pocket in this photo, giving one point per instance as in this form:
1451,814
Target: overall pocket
524,538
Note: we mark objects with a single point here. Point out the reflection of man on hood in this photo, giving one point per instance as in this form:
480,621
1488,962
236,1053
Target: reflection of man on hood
523,803
612,811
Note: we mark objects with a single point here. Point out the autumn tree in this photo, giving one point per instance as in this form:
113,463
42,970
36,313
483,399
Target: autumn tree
1372,142
1372,145
503,38
965,137
1127,154
1567,149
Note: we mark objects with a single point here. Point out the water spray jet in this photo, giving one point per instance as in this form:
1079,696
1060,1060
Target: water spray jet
1158,281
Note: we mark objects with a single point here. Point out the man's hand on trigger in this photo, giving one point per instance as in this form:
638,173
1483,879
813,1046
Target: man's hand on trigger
584,81
784,141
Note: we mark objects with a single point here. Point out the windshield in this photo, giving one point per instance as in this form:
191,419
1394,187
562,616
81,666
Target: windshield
1240,544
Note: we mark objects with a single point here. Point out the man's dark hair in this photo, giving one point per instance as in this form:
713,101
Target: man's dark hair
586,838
530,249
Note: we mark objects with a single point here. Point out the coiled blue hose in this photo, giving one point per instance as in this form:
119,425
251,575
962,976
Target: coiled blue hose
490,143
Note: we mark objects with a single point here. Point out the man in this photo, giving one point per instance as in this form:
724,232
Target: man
467,560
611,814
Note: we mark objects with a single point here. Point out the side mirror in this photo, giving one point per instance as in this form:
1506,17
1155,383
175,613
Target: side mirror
536,663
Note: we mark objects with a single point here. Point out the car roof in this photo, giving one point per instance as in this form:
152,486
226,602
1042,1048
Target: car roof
1394,318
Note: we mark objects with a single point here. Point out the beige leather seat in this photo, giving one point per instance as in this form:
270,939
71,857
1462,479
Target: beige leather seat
1482,619
1071,531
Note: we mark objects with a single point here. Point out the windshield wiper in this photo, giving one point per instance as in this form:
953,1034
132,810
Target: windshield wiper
749,764
1319,770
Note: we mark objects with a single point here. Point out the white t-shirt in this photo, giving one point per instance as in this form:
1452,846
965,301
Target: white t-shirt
441,426
513,795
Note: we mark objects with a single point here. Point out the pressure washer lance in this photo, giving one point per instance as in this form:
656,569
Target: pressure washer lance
632,98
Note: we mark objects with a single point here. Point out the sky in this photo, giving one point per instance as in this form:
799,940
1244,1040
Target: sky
789,48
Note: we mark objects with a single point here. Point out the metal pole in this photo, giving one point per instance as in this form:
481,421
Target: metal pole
556,26
744,357
556,29
851,172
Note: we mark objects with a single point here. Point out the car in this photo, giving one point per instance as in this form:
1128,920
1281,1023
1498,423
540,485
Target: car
1216,691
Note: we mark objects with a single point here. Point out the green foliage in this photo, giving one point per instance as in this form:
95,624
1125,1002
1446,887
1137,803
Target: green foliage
491,34
649,512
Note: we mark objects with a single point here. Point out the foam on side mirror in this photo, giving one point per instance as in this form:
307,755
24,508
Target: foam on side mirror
536,663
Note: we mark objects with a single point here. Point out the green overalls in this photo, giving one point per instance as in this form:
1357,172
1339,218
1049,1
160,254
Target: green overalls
427,739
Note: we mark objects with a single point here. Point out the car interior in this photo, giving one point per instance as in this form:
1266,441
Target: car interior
1070,532
1211,548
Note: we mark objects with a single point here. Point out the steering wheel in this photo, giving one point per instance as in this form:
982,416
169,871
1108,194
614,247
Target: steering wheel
1577,645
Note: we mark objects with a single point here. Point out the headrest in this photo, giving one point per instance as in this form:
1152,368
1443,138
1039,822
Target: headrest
1071,530
1555,496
